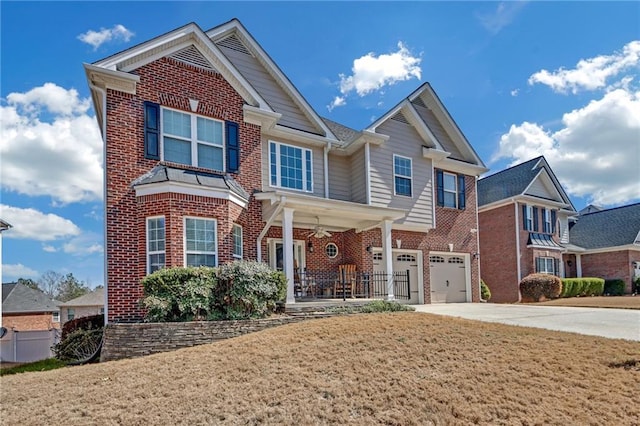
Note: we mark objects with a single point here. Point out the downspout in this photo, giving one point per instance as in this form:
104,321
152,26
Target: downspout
515,205
264,231
478,244
326,170
104,194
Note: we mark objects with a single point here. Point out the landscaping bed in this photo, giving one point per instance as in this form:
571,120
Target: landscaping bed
617,302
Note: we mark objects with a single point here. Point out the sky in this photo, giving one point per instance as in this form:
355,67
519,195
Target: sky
521,79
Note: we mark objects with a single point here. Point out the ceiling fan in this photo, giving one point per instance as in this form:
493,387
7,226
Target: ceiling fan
319,231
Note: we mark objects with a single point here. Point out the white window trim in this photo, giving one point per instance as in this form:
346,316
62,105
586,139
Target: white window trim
194,137
403,176
304,167
546,259
529,218
146,237
184,239
55,316
546,223
71,314
445,190
235,255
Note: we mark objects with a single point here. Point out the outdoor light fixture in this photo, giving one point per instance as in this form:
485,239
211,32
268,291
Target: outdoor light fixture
369,248
310,246
569,263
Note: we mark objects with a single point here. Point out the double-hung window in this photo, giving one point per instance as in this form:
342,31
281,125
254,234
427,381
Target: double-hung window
545,265
546,221
290,167
237,241
402,175
528,218
192,140
451,190
155,244
200,242
71,314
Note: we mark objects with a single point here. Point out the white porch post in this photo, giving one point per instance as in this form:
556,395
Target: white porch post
287,251
578,266
387,257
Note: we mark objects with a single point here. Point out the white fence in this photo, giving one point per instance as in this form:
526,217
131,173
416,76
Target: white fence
28,346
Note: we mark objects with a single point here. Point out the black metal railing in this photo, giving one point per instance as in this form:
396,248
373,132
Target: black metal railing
320,284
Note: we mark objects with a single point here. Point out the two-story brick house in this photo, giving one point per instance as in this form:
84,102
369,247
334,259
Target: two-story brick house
211,155
523,216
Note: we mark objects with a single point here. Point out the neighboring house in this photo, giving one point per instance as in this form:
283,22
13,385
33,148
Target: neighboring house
523,215
86,305
25,309
605,244
213,155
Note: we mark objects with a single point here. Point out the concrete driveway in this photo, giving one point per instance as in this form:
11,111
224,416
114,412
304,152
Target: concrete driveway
611,323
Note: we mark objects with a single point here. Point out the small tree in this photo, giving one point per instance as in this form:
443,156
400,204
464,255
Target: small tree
70,288
49,283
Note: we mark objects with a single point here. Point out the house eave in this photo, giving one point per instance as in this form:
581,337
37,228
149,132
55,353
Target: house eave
188,189
460,167
111,79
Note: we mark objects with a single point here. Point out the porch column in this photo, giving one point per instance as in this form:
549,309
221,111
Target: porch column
287,251
578,266
387,256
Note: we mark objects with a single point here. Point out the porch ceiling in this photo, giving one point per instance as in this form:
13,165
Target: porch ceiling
333,215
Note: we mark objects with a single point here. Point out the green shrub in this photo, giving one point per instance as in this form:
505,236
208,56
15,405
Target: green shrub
614,287
385,306
485,293
247,290
536,286
586,286
179,294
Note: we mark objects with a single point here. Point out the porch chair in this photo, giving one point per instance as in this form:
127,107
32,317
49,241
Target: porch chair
346,280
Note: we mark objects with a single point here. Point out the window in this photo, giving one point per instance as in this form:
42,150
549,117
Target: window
405,258
237,241
102,310
71,314
546,221
528,218
332,250
546,265
458,260
402,175
450,190
436,259
55,317
291,167
192,140
200,242
377,256
155,244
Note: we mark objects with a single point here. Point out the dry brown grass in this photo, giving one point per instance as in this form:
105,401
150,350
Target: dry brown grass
403,369
619,302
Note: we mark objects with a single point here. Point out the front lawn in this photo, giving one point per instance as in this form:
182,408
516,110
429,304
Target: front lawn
401,369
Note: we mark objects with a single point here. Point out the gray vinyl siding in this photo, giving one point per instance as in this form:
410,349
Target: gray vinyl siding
358,177
270,90
438,130
318,168
403,140
339,178
538,189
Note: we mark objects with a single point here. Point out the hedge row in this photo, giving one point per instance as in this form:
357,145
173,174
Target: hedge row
614,287
585,286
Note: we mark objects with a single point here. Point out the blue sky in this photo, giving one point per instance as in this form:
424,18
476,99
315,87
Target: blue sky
521,79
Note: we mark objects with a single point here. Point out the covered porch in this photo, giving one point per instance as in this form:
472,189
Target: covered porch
324,247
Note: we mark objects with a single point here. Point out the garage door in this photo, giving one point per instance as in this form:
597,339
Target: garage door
448,278
403,262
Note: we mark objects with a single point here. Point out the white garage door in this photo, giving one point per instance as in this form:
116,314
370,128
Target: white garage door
448,278
403,262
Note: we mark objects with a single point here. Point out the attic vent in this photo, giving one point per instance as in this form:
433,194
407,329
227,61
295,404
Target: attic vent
418,101
400,117
192,56
232,42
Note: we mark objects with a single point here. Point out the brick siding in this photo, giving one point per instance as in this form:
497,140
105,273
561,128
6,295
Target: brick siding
611,265
28,322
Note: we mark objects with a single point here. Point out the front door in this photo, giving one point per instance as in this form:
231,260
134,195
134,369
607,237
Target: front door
276,254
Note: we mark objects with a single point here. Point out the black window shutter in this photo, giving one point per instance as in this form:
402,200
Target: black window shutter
524,217
440,186
233,147
151,130
556,267
553,221
461,192
535,219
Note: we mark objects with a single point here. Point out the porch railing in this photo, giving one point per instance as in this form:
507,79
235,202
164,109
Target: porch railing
321,284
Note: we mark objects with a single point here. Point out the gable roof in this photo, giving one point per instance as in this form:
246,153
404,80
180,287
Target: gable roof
4,225
18,298
93,298
619,226
516,181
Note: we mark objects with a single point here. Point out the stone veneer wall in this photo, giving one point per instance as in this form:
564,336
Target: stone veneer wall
131,340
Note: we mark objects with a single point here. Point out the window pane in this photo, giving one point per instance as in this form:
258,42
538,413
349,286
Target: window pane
402,166
450,199
156,261
210,157
177,151
274,170
237,241
209,131
176,123
403,186
450,182
201,260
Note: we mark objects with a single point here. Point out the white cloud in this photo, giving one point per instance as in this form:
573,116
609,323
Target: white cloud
11,272
592,73
60,157
97,38
32,224
372,73
503,16
515,92
49,249
595,154
85,244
